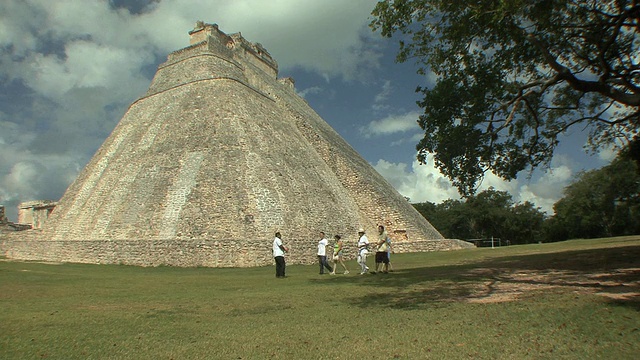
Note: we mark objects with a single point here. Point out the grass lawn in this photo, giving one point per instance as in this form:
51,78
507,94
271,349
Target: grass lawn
576,299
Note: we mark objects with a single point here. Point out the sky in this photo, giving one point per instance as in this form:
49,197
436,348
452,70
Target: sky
69,69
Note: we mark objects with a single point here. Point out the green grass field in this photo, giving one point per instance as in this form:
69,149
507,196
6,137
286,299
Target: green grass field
570,300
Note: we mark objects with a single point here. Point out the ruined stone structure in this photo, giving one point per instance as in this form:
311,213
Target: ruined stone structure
3,216
6,225
215,158
35,213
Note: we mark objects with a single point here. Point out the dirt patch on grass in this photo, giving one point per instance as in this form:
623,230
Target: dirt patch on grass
509,285
612,272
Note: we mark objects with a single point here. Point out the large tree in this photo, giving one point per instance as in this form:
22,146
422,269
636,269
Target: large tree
512,75
602,202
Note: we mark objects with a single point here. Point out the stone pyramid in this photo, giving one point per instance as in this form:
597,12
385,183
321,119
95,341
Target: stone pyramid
212,160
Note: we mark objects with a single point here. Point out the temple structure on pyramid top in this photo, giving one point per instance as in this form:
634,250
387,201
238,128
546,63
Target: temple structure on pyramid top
217,156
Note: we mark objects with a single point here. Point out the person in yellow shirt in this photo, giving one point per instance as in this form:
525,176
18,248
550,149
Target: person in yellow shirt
382,256
337,255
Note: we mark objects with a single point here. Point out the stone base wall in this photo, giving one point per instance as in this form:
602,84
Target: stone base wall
431,245
184,253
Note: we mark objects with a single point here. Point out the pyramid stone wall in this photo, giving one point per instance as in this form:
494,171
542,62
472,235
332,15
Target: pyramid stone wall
217,156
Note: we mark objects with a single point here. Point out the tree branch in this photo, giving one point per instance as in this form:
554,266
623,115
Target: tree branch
583,85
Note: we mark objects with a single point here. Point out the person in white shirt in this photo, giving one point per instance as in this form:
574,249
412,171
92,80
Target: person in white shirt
322,254
278,255
363,250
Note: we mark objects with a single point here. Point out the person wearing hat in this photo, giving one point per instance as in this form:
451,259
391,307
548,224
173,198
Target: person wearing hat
363,250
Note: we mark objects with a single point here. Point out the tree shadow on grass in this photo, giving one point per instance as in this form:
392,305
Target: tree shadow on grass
613,273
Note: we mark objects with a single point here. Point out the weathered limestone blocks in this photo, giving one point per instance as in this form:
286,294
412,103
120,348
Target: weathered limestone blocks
185,253
35,213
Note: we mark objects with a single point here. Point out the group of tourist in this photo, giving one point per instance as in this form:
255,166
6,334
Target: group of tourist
383,251
382,255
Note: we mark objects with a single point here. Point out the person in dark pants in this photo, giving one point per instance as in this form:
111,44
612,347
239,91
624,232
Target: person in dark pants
278,255
382,256
322,254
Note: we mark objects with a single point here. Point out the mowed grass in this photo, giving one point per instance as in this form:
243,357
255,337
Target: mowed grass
443,305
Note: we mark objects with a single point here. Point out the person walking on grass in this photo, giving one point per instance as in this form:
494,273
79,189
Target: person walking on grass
382,258
278,255
389,251
337,255
322,254
363,250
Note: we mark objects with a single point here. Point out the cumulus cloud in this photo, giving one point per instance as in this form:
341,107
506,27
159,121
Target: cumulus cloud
328,37
418,183
25,175
380,100
310,90
425,183
383,95
391,124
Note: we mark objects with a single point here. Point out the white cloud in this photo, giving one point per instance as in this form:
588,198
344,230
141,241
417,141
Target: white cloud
25,175
391,124
418,183
328,37
607,153
310,90
379,102
422,183
383,95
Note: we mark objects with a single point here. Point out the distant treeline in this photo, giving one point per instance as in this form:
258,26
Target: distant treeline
598,203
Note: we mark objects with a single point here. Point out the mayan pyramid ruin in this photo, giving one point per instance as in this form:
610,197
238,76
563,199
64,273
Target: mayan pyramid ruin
217,156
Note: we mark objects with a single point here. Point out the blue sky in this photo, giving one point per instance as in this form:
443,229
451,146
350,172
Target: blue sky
69,69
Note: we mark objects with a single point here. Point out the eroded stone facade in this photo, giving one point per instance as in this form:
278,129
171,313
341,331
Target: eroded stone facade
35,213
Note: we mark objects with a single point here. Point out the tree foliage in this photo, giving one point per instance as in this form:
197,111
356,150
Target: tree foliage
600,203
515,74
490,213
